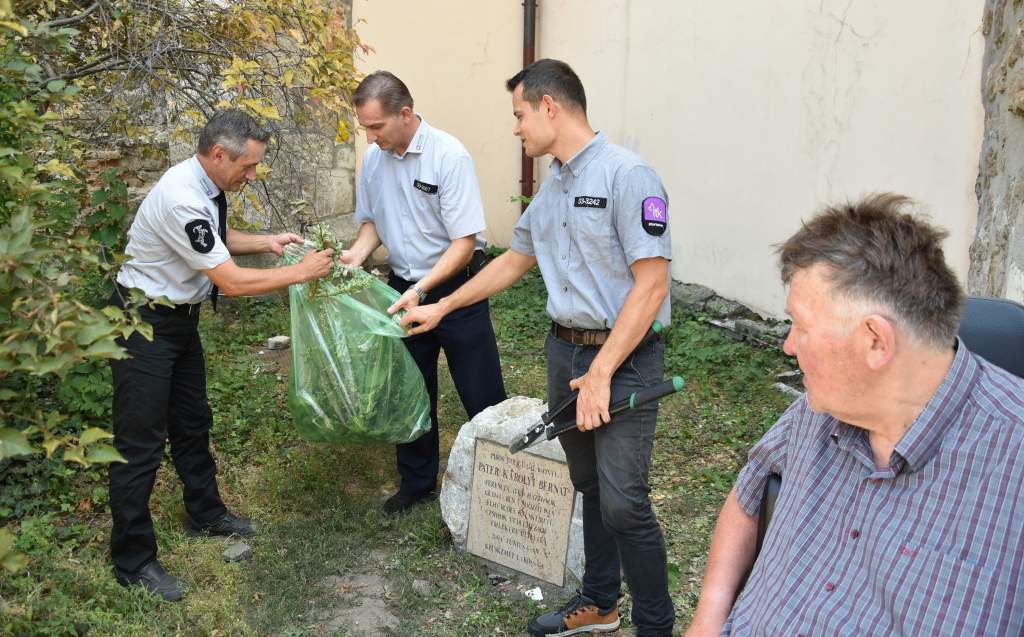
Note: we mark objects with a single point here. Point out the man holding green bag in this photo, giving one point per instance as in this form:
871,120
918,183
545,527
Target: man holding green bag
418,196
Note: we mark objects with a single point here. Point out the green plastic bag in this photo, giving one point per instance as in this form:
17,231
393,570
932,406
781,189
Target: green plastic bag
352,378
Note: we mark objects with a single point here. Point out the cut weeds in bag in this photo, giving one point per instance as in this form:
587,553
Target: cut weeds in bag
352,378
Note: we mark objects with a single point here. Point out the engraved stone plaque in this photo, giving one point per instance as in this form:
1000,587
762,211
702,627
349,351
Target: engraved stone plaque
520,511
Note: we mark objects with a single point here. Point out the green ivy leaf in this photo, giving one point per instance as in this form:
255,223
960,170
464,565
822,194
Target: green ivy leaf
103,454
106,349
13,443
74,454
50,444
93,434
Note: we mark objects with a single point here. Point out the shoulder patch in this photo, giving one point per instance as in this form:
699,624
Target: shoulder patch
654,216
200,235
430,189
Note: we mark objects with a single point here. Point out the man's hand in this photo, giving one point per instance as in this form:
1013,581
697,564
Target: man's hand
348,257
318,263
427,317
592,402
409,299
277,242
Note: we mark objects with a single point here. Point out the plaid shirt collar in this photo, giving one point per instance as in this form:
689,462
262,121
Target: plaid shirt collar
924,437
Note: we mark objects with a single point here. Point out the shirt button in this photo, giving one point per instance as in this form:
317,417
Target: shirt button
855,534
565,289
565,190
830,587
563,224
563,257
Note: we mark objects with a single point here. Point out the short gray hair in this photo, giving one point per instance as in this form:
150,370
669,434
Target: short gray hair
876,253
232,129
386,88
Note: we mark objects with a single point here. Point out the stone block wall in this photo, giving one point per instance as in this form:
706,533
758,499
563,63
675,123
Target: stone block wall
997,253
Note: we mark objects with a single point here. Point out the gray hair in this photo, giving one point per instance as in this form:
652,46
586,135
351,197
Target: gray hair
231,129
878,254
386,88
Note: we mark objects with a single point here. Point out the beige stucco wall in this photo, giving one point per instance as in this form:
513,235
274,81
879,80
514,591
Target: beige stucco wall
455,56
754,114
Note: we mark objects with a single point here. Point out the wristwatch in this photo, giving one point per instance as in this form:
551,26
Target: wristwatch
418,290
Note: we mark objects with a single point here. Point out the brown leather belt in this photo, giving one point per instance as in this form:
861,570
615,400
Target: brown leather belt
580,337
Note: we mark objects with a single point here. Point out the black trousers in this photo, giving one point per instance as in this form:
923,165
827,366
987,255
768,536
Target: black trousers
467,337
160,394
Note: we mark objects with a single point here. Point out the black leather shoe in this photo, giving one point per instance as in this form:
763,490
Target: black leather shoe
225,526
154,579
399,503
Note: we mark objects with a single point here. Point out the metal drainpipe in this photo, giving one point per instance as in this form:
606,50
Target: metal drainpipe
529,31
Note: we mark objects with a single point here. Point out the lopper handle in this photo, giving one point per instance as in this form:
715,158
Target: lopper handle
637,398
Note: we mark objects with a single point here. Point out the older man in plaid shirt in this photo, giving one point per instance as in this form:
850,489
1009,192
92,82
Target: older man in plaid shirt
901,510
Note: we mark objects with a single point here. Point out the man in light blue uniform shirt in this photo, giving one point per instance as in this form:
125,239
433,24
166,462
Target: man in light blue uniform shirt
598,229
418,196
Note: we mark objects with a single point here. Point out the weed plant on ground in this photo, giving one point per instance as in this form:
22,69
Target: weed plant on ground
319,503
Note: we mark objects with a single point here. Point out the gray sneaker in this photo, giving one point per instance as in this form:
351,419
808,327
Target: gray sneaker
579,615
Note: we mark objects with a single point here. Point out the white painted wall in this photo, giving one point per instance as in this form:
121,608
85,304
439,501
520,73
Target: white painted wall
754,113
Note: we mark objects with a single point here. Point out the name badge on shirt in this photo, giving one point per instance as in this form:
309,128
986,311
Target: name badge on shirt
430,189
591,202
654,216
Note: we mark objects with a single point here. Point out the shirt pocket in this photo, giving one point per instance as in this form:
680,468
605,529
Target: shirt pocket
934,589
594,230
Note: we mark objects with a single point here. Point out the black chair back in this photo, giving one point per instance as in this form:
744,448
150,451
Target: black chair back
994,330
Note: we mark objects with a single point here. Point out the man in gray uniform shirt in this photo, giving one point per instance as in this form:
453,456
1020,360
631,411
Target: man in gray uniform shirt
179,247
598,229
418,196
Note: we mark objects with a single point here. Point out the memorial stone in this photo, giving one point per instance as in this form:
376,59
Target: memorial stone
520,510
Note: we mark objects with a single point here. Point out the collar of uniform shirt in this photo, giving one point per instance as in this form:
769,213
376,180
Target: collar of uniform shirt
923,438
417,141
212,190
585,155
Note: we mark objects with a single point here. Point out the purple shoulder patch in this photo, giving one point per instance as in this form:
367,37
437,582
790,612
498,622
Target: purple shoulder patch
654,216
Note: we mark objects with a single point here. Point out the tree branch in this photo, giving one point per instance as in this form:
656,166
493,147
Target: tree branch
74,19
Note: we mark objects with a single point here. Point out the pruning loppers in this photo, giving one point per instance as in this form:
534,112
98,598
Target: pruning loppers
549,430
